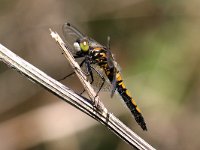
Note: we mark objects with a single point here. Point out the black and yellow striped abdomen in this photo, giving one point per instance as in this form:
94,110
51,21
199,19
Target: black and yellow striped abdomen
114,75
130,102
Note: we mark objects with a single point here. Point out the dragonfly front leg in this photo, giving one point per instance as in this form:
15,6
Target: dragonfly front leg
81,64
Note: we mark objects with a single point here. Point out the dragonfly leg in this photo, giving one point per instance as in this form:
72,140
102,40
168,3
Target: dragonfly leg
84,89
81,64
89,71
103,80
82,92
66,76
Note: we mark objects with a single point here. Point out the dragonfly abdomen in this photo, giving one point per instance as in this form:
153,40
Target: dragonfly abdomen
130,102
111,72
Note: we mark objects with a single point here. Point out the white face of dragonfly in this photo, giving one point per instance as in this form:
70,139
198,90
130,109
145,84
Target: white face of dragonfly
77,46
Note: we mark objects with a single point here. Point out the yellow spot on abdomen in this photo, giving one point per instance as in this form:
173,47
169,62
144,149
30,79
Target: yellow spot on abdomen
128,93
123,85
134,103
118,77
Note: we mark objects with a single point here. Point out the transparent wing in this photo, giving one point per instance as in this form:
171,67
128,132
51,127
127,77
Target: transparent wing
70,29
111,60
94,44
71,35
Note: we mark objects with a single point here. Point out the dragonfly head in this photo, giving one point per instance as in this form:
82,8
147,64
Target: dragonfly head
82,45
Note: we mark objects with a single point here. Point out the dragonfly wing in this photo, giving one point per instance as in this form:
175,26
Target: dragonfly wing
98,80
71,35
94,44
112,64
72,30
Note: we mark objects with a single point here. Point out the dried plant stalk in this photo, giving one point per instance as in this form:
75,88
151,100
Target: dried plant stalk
66,94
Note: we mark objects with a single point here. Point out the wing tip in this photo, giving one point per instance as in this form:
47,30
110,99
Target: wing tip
67,23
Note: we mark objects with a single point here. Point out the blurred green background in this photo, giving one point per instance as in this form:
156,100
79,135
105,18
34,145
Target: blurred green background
156,43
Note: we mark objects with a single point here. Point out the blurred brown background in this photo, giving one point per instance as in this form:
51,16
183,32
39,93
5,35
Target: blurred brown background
156,43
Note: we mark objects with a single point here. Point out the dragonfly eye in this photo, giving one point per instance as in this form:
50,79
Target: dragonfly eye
84,45
77,46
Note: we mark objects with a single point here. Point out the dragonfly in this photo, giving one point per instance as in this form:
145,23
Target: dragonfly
99,60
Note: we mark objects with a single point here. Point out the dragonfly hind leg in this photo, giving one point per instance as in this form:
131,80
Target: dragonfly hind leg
103,80
66,76
90,73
